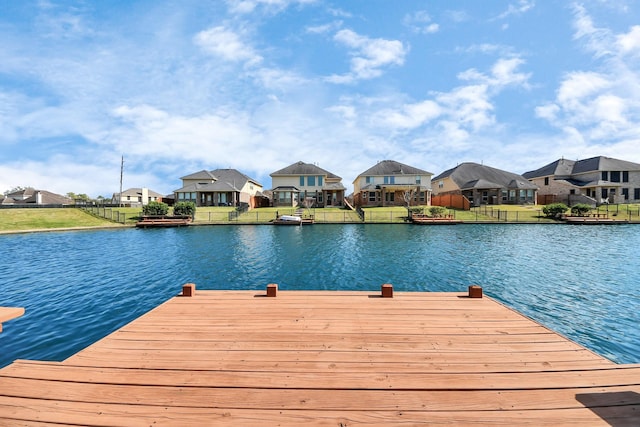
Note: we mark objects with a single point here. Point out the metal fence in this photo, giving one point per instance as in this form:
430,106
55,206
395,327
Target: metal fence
110,213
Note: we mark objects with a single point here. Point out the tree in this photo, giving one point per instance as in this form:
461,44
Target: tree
580,209
408,196
185,209
155,208
555,210
437,211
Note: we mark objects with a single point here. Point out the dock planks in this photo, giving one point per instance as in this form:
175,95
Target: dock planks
230,358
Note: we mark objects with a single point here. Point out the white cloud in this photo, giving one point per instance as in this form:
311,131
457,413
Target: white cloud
522,6
409,116
629,43
503,73
248,6
368,56
598,40
324,29
420,22
227,45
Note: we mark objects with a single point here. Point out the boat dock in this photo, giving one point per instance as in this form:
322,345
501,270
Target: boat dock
331,358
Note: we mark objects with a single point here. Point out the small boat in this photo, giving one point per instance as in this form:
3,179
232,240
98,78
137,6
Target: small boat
288,220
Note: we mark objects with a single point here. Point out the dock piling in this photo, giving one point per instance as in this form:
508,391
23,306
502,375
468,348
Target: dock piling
387,290
188,289
272,290
475,291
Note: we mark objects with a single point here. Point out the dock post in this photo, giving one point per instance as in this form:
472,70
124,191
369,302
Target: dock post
387,290
475,291
272,289
188,290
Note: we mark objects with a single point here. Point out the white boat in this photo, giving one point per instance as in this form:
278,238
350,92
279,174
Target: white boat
288,220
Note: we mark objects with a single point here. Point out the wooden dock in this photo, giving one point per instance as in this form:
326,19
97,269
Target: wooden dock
293,358
9,313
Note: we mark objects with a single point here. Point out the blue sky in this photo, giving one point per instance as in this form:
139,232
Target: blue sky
180,86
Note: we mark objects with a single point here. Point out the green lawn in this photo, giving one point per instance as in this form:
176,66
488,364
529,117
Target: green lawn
45,218
50,218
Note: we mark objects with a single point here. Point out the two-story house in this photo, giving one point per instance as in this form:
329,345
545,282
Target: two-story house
594,181
305,184
391,183
482,184
220,187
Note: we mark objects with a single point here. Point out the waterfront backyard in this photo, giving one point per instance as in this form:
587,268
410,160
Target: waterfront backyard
40,218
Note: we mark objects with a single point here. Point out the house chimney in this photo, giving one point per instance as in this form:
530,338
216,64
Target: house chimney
145,196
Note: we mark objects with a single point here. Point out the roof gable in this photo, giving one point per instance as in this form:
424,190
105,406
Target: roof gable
473,175
301,168
203,174
391,167
233,177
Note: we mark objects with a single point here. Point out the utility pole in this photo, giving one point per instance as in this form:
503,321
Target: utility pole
121,172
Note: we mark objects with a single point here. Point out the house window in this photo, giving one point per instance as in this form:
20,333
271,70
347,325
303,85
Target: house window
302,181
485,196
546,180
636,193
372,196
504,195
615,176
386,179
625,193
572,191
320,181
440,184
320,198
389,197
418,180
625,176
512,195
605,175
367,180
392,179
605,193
422,196
311,181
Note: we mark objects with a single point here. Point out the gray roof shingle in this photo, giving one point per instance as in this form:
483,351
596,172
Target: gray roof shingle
301,168
391,167
473,175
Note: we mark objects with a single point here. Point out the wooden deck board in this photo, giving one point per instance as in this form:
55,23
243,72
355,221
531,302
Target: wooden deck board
325,358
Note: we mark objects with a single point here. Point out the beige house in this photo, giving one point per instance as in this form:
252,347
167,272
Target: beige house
305,184
593,181
482,184
31,196
391,183
220,187
136,197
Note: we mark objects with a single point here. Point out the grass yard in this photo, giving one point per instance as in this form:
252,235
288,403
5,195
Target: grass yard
46,218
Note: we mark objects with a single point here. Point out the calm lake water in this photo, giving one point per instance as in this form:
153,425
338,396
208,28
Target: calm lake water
77,287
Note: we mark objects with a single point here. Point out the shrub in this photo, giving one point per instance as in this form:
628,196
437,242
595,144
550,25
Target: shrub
580,209
155,208
184,208
437,211
554,210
